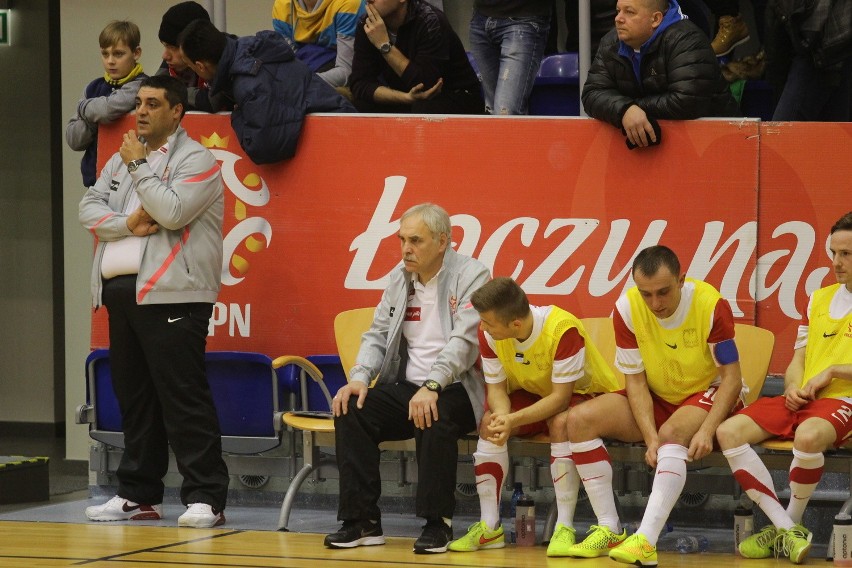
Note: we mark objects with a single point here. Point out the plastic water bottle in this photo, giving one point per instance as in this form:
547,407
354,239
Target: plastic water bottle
743,526
525,521
841,537
517,493
688,544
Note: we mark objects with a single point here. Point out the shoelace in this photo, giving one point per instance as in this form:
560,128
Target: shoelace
767,537
786,546
563,533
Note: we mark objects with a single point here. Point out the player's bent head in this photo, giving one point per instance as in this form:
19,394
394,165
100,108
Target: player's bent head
650,260
502,297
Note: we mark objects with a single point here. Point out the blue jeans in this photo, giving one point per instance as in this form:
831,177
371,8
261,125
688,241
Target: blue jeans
508,53
811,94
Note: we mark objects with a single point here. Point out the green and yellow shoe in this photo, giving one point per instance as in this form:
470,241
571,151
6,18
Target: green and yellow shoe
761,544
599,542
795,543
562,540
479,537
635,550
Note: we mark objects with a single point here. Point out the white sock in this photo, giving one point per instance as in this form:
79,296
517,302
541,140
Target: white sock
566,482
490,464
754,478
669,481
595,470
805,473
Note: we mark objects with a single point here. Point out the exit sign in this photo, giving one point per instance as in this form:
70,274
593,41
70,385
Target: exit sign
4,27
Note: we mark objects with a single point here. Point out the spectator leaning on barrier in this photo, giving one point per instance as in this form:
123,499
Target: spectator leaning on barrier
174,21
322,33
537,362
422,347
271,90
155,211
409,59
654,65
814,412
109,97
674,340
507,41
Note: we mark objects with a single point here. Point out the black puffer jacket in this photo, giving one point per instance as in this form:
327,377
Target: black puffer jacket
680,78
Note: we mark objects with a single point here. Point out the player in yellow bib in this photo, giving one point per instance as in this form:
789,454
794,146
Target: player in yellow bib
537,362
815,412
675,344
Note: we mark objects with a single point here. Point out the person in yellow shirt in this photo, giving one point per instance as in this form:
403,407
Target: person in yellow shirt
675,344
815,411
537,361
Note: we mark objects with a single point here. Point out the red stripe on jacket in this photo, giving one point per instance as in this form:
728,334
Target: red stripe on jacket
201,177
165,266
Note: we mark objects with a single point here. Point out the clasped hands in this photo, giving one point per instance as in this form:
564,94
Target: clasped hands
377,33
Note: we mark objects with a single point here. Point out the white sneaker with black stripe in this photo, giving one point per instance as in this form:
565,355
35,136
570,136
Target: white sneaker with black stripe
121,509
201,516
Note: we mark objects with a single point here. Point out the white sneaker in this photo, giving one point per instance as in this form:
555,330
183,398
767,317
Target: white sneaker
201,516
120,509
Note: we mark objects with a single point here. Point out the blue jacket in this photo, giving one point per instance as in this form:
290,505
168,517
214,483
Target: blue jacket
272,92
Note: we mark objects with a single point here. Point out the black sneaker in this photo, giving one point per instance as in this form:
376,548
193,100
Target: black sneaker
356,533
435,537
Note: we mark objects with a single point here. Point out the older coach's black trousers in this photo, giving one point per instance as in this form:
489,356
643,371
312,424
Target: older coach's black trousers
384,418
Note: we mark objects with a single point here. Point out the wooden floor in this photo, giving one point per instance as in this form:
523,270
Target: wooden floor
31,544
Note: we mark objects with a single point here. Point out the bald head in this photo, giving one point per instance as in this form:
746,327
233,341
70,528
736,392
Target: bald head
657,5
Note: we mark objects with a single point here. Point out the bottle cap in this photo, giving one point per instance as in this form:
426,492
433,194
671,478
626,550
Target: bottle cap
742,511
519,485
526,502
842,519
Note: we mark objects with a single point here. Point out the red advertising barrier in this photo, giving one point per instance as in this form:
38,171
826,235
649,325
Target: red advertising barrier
561,205
805,173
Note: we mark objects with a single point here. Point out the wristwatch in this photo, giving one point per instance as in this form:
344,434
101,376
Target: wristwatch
133,165
433,385
385,48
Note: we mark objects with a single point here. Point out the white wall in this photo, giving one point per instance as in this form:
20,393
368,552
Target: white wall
26,296
82,20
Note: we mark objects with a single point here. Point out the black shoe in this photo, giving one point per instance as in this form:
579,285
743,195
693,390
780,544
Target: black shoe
435,537
356,533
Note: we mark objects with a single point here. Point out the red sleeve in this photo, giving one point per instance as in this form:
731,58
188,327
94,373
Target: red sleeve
624,338
485,349
569,345
723,323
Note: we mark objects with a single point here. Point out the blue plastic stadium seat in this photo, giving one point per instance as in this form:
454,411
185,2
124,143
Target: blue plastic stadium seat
245,393
310,392
556,90
106,425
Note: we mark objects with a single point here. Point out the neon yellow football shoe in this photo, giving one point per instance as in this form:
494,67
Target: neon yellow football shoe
760,544
562,540
635,550
479,537
795,543
599,542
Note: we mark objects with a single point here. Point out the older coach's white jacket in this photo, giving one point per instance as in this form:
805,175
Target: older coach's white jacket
182,262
